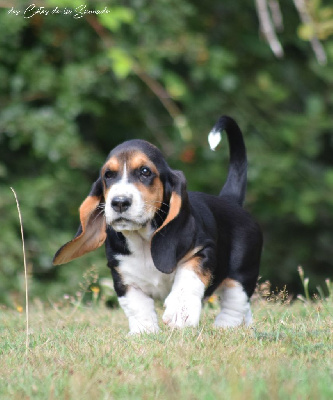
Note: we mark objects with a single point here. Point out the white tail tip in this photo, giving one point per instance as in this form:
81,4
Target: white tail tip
214,139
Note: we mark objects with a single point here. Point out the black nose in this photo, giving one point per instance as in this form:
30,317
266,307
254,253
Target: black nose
121,203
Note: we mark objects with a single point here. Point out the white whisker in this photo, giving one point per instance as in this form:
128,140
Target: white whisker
155,208
99,214
159,202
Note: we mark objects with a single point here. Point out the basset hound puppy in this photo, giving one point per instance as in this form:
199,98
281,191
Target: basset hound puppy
164,242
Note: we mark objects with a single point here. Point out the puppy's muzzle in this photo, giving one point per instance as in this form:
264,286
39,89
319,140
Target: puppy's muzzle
121,203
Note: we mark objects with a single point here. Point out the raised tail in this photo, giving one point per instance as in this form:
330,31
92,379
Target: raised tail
235,186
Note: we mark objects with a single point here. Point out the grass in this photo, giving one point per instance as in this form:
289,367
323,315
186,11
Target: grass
79,352
69,351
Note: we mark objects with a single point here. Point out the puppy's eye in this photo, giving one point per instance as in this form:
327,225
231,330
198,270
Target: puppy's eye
145,171
110,174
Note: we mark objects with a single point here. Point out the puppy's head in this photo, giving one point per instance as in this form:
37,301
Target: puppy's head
136,187
132,185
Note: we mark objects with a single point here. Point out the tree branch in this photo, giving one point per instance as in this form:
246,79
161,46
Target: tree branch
267,28
276,14
306,18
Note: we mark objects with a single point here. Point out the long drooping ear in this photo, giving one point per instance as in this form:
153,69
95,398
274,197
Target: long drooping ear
172,240
92,230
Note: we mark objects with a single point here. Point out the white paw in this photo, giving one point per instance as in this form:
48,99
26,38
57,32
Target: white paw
139,309
235,306
231,318
182,310
142,326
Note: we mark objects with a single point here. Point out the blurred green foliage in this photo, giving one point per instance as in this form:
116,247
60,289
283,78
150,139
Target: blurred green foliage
164,70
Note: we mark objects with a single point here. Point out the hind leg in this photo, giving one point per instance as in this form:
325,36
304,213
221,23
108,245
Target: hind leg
235,306
243,270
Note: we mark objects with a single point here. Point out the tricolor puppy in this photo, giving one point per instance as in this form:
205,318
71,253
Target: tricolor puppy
163,242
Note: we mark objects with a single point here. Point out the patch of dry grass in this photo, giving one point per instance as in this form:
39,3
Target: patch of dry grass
86,354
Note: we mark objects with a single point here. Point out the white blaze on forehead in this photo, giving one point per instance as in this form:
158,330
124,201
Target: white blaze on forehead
124,177
122,187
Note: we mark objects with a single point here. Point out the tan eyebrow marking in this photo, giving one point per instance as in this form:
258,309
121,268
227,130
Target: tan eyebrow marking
112,164
139,159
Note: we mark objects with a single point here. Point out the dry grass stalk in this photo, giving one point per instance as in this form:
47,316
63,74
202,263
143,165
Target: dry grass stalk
25,275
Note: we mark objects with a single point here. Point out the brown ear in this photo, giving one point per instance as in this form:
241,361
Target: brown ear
174,209
92,231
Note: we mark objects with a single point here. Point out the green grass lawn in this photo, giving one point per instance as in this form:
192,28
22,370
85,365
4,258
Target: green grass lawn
85,353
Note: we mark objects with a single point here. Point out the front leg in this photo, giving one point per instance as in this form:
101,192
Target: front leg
140,311
184,303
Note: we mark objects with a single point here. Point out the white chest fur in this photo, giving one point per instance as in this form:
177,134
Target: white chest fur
138,269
